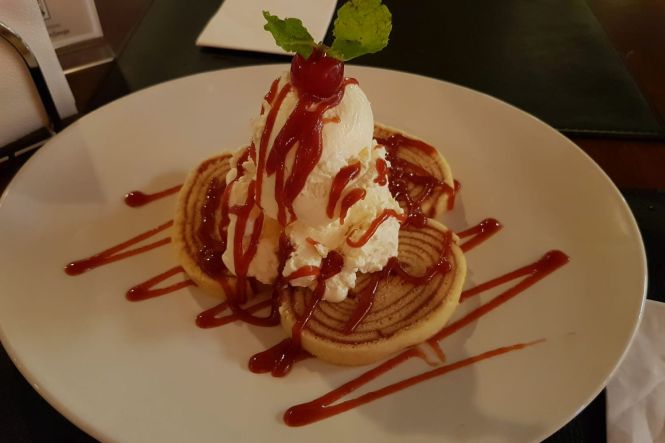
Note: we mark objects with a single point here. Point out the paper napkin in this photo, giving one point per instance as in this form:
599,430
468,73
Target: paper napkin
238,24
636,393
21,111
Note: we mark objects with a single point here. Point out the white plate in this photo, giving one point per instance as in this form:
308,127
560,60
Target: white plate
144,372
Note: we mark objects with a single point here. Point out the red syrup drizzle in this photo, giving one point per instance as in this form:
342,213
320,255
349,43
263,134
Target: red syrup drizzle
144,291
364,238
243,256
305,271
350,199
279,359
452,196
333,119
119,252
479,233
549,263
302,130
209,255
366,296
136,199
401,174
533,273
275,103
270,96
322,407
382,172
341,180
211,318
404,174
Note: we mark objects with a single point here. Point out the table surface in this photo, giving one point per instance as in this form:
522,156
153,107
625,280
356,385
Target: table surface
636,165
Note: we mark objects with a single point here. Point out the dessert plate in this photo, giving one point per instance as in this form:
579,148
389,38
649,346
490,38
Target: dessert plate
143,371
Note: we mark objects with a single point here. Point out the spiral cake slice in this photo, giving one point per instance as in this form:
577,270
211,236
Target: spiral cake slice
196,233
408,307
420,169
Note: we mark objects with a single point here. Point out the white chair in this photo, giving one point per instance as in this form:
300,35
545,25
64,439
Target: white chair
25,56
34,92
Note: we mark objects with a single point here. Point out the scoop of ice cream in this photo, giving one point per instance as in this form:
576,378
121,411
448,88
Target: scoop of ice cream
320,224
312,244
347,137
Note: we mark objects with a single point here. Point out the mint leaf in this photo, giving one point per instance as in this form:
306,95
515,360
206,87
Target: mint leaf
362,27
289,34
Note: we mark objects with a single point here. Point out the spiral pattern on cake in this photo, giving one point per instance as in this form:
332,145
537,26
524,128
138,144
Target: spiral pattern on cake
421,159
403,313
196,234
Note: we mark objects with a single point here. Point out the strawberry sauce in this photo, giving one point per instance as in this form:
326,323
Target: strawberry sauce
479,233
305,271
279,359
405,175
212,318
359,242
301,132
341,180
137,199
366,296
382,172
144,291
322,407
350,199
533,273
119,251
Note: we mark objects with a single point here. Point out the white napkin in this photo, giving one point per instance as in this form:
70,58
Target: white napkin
21,111
636,393
238,24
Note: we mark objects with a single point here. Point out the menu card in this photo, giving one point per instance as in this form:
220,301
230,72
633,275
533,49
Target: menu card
70,21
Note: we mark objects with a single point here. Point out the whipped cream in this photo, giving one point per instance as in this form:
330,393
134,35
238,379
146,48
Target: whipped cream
347,137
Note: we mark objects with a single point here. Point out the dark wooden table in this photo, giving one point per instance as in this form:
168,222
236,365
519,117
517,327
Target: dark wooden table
635,164
636,31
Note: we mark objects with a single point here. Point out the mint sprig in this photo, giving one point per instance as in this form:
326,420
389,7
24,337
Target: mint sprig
290,34
361,27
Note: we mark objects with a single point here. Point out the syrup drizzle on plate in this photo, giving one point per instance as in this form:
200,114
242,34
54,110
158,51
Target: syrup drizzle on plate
137,199
119,251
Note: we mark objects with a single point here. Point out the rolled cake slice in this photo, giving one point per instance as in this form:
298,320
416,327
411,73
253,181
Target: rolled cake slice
421,163
403,313
196,235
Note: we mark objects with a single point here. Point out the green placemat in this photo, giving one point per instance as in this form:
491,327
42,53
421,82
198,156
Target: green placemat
548,57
